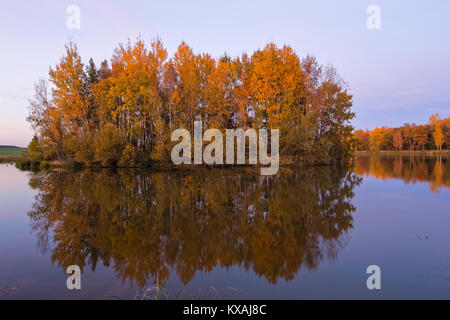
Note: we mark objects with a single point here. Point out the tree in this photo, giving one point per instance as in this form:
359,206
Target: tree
362,139
381,139
334,114
130,98
421,135
276,85
92,77
186,95
317,126
398,139
104,71
375,139
438,134
446,129
46,121
34,150
388,139
357,136
69,92
220,96
408,134
109,145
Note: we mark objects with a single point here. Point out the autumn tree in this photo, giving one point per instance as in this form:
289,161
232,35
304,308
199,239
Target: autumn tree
130,98
362,139
381,138
358,136
187,93
421,136
276,85
446,129
221,101
438,134
317,126
69,92
46,121
408,134
398,139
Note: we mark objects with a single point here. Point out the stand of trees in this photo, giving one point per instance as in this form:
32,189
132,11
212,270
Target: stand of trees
123,112
432,136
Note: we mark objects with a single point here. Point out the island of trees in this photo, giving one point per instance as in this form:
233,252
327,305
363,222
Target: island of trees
432,136
122,113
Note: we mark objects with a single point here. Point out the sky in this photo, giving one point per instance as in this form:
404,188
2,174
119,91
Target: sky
398,73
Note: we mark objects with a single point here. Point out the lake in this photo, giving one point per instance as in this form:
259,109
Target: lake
229,233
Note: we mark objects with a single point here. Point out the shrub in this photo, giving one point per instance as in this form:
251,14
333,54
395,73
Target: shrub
85,153
34,151
128,158
109,146
45,165
35,165
23,165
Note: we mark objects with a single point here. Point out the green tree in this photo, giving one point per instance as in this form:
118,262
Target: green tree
34,150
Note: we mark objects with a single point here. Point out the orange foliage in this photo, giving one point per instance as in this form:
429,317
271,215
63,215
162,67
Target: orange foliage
434,135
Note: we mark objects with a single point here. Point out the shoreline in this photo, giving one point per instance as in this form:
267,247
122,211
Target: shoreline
405,152
26,164
38,165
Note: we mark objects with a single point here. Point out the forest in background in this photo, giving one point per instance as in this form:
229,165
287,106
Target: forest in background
123,112
432,136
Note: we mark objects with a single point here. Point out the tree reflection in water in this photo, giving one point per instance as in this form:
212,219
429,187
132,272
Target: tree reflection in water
411,169
147,224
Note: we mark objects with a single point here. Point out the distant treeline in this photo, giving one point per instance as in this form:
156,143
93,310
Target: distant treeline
432,136
123,113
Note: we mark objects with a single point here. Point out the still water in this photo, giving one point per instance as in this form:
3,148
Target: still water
228,234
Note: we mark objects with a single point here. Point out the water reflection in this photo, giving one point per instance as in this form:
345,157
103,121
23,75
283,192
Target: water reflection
411,169
146,225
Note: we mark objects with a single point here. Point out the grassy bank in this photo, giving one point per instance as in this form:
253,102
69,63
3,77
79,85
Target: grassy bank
17,155
27,164
38,165
10,154
11,151
7,159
